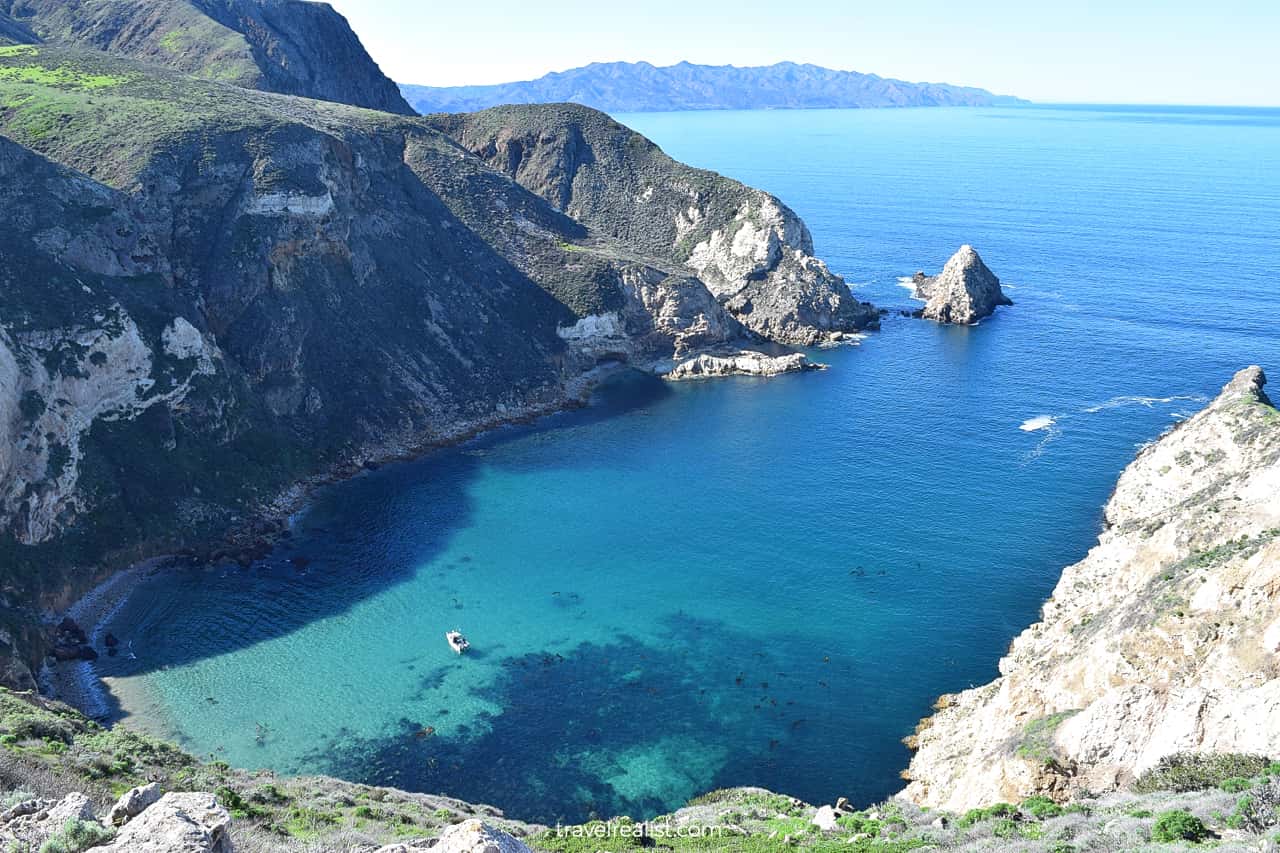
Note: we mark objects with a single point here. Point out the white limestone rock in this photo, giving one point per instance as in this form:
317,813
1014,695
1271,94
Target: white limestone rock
176,823
744,363
965,292
825,819
133,802
29,824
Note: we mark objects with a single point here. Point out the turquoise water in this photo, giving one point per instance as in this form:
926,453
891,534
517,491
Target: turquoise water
756,582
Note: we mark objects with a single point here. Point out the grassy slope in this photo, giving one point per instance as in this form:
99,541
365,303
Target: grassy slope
298,48
47,749
110,117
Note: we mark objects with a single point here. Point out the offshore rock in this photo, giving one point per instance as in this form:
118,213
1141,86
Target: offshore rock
1164,639
965,292
745,363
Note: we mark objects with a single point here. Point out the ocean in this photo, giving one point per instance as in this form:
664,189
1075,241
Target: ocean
755,582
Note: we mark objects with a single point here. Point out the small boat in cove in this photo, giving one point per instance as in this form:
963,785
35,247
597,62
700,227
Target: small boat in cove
457,642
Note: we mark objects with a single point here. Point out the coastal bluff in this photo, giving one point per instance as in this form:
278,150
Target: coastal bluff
1163,640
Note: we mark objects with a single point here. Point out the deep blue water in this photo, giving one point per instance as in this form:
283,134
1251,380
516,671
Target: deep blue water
757,582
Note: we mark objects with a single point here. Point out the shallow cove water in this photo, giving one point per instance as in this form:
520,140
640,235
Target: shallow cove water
755,582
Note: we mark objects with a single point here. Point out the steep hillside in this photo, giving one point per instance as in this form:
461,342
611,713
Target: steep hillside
640,87
753,251
287,46
14,32
1164,639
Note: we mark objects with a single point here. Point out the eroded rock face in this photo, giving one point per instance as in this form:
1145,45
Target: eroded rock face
1164,639
752,251
965,292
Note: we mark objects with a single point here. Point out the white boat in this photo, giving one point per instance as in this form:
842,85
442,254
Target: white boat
457,642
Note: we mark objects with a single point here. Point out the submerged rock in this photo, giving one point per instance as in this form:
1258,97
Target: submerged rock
965,292
745,363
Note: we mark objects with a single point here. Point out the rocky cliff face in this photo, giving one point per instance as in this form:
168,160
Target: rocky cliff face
965,292
752,252
1164,639
286,46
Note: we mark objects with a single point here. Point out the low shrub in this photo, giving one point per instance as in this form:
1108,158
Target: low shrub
77,835
1041,807
1235,784
1195,771
973,816
1178,825
1004,828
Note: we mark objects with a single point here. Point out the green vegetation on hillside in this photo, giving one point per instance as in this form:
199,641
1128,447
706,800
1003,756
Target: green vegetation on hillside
48,750
111,117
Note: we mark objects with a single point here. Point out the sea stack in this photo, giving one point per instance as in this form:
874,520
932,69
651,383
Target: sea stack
965,292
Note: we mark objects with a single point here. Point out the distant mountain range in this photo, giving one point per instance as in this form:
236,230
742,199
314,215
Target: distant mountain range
642,87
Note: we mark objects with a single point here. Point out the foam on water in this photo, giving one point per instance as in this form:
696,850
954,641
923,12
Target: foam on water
1042,422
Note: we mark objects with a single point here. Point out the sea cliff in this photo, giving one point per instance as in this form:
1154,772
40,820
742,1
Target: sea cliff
1163,640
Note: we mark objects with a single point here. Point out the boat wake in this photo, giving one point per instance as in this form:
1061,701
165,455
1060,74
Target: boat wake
1149,402
1050,425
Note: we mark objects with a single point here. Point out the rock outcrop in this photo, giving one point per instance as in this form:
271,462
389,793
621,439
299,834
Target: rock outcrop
964,293
31,823
283,46
744,363
1164,639
470,836
134,802
176,823
752,251
173,823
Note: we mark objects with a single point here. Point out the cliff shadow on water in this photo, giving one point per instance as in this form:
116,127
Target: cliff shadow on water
348,545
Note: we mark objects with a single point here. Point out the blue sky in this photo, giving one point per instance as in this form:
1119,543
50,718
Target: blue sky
1122,51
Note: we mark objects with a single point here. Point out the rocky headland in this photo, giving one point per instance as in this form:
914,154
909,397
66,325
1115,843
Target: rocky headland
751,251
964,293
1163,640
